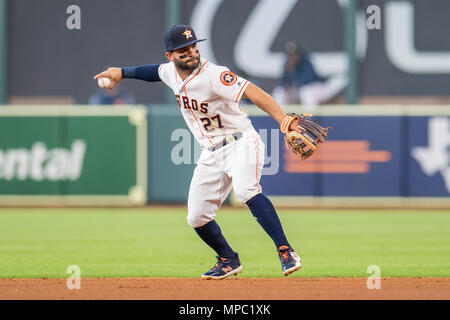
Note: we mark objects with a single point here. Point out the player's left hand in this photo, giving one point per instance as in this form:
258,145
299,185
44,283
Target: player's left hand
302,134
294,125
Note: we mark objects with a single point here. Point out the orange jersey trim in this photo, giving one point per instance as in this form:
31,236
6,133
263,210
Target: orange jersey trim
196,120
241,92
195,75
257,164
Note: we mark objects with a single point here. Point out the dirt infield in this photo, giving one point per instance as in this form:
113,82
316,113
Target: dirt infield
228,289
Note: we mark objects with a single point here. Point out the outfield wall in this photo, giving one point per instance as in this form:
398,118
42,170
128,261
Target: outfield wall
73,155
84,155
172,154
374,156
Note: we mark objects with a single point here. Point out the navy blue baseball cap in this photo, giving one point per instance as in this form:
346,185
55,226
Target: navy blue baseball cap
180,36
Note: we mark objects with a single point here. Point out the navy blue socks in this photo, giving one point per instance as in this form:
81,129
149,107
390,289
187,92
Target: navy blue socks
211,234
264,212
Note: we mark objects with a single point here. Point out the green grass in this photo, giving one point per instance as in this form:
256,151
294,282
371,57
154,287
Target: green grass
154,242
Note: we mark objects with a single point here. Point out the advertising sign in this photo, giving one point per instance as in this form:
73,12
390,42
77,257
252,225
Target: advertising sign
379,154
73,155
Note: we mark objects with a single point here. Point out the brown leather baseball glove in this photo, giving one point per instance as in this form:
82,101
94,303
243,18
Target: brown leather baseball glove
305,140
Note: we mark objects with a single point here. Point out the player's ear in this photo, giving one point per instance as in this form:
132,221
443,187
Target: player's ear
169,56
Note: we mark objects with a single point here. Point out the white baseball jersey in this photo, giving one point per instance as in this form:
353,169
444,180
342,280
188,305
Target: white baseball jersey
209,100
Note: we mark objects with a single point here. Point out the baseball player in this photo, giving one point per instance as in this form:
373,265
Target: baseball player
232,155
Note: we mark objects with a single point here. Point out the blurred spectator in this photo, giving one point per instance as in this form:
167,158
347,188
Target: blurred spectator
300,82
116,96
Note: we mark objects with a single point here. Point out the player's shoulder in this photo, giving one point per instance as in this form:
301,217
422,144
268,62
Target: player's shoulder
166,72
214,69
165,66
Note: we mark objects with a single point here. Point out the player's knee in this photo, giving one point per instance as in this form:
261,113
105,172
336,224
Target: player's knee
198,220
246,193
192,221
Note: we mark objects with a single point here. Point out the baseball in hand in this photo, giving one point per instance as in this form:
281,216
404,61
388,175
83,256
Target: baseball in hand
104,83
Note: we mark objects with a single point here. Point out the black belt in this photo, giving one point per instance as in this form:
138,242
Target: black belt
228,139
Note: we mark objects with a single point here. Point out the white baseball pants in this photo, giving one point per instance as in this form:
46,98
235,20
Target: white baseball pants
238,165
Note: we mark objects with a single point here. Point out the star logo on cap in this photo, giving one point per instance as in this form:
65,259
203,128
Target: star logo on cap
187,33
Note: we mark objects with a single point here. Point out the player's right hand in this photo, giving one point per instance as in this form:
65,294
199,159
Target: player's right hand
113,74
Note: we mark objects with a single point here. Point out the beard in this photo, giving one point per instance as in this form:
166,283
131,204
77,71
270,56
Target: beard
183,65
